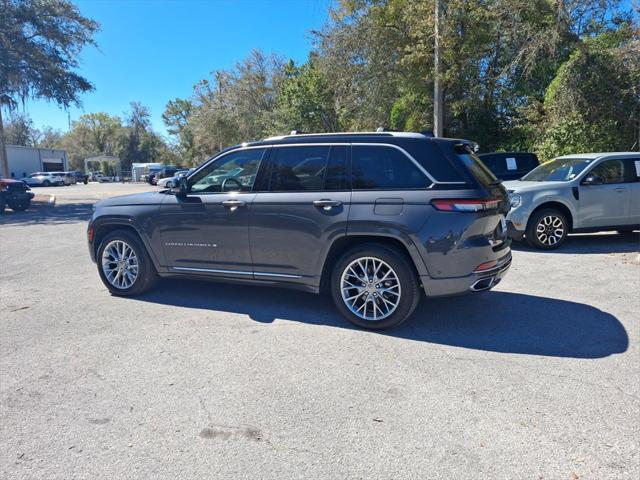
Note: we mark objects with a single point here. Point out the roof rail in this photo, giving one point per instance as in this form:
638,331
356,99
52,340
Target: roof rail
379,131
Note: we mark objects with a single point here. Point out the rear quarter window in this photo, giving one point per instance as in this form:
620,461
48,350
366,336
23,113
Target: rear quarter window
382,167
432,158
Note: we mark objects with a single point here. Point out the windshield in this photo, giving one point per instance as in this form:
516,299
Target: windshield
558,170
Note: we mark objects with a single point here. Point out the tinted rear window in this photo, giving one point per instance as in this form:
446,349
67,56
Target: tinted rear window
380,167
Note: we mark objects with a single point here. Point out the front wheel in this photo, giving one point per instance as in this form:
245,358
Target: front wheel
375,287
20,206
46,183
124,264
547,229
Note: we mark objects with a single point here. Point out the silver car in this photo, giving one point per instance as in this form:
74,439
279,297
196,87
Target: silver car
575,193
44,179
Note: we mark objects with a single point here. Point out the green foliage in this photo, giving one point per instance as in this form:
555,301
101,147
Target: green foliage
39,45
19,130
593,103
305,101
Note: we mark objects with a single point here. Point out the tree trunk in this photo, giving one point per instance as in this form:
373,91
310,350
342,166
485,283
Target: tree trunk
4,161
437,84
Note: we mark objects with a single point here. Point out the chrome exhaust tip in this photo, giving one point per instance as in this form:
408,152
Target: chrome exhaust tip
482,284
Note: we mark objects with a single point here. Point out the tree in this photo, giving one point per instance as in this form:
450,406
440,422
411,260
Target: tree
177,119
94,134
20,130
306,101
593,103
40,41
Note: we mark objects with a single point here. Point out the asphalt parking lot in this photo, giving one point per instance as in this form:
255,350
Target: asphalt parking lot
538,379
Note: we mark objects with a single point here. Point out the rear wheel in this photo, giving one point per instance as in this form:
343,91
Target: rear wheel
547,229
46,183
375,287
124,264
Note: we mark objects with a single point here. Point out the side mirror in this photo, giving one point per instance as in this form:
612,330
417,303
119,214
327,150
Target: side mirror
181,187
592,180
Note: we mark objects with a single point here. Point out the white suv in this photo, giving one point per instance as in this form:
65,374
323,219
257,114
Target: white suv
43,179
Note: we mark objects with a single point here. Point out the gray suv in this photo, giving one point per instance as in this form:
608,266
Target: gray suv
576,193
372,218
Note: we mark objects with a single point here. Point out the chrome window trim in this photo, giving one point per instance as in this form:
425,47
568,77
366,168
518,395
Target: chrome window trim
330,144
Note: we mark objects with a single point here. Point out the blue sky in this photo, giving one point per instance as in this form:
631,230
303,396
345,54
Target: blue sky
156,50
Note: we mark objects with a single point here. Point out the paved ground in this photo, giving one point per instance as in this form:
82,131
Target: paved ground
539,379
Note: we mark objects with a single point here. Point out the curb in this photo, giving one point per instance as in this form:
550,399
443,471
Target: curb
47,199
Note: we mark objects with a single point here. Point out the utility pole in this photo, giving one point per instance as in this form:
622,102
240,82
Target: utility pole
438,108
4,161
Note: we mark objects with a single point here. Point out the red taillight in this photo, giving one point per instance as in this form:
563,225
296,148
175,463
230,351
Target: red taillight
465,205
90,233
486,266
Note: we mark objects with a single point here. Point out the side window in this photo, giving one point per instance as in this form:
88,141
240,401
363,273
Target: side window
632,168
378,167
298,168
235,171
336,176
610,171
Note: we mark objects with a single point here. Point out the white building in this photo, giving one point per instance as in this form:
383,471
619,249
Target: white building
26,160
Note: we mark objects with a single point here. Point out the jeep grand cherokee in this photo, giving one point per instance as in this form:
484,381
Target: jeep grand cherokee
372,218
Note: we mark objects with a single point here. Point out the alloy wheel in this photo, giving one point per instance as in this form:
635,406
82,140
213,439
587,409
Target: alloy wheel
370,288
120,264
550,230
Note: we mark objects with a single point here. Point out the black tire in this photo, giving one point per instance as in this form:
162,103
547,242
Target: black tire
20,206
147,275
409,286
553,222
46,183
85,181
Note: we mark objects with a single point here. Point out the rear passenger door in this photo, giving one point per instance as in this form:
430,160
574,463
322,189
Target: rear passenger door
301,206
389,192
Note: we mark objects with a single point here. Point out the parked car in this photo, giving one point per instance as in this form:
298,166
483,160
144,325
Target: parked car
163,172
149,175
14,194
575,193
172,181
43,179
80,177
510,166
374,218
67,177
99,177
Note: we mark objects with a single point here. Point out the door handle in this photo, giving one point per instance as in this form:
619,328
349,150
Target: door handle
326,204
234,204
619,190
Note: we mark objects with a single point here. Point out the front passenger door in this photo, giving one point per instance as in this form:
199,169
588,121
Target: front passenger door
605,195
207,231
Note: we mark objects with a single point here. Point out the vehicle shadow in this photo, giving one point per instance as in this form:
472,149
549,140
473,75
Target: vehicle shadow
494,321
591,243
48,214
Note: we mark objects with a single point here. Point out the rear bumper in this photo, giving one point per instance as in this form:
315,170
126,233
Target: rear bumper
476,282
